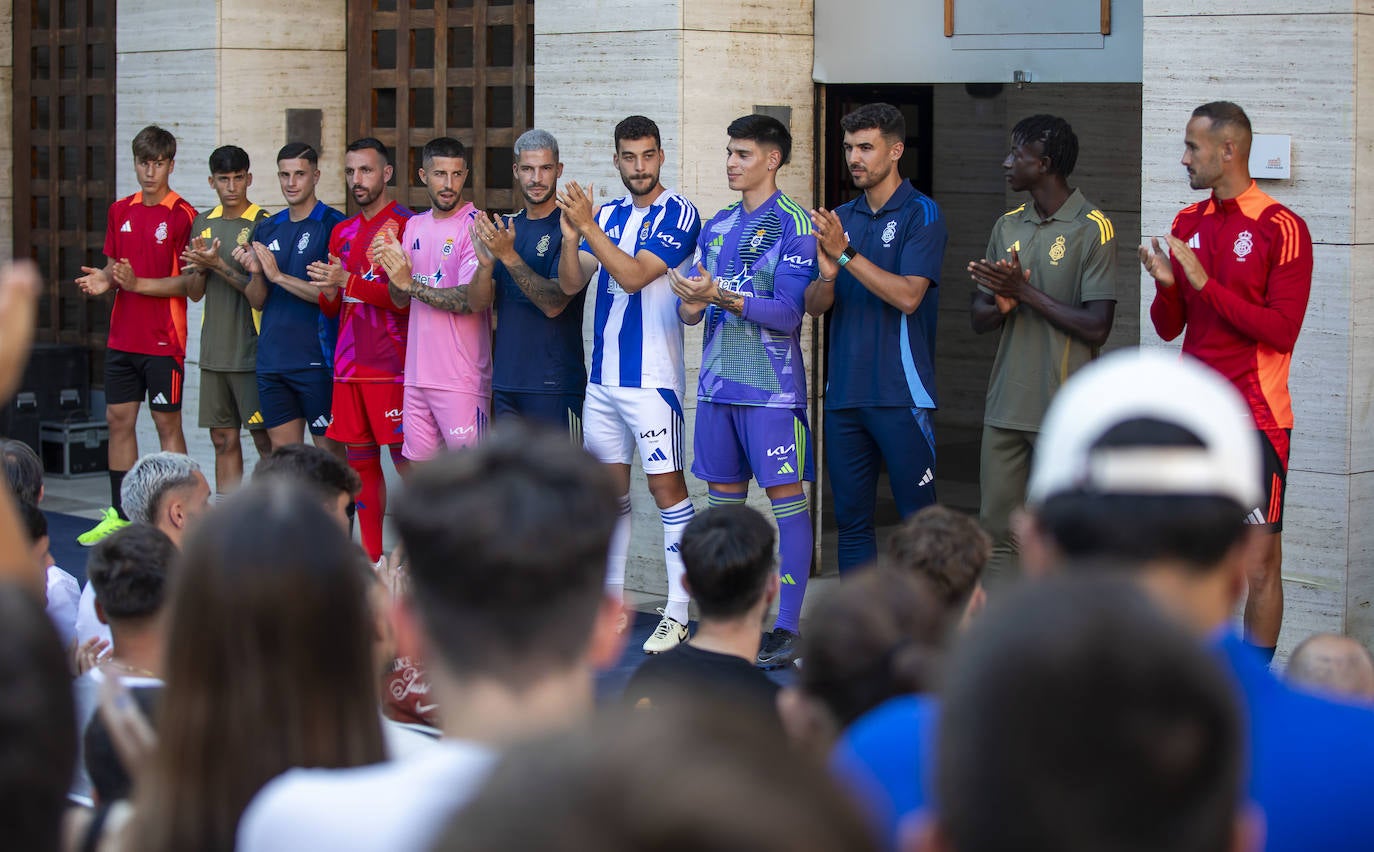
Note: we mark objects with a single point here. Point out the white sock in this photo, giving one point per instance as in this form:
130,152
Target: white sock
675,520
620,549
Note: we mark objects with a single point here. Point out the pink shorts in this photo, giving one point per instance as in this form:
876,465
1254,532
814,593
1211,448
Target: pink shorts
435,419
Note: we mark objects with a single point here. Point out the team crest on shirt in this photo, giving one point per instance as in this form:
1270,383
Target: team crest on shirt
303,242
448,247
889,233
242,238
1057,250
1245,243
757,240
161,233
644,232
542,246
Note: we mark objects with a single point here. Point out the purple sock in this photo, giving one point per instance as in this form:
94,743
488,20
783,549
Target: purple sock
794,562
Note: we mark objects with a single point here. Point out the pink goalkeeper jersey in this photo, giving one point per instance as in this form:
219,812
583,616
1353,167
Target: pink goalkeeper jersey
447,351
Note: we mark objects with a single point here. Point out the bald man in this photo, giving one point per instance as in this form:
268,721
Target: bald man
1234,282
1333,664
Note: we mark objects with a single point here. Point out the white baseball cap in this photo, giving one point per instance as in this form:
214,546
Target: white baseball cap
1134,384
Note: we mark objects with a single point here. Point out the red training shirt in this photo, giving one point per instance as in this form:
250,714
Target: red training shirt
151,239
1245,319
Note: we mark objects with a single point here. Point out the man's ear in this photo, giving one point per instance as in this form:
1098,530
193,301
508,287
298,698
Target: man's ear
1040,557
607,643
772,587
976,602
805,720
100,613
407,630
921,832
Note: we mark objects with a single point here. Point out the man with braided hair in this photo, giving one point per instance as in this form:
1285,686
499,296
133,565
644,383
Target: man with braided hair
1048,282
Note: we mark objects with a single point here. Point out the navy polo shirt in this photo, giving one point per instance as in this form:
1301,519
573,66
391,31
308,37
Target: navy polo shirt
878,355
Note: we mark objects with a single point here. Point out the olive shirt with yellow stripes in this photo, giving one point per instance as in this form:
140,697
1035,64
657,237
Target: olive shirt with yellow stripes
229,326
1071,256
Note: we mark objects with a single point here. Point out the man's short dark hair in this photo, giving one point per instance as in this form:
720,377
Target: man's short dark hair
317,469
35,522
369,143
22,468
1056,137
877,636
507,544
299,151
443,146
228,159
637,127
129,572
1123,732
37,724
738,786
885,118
766,130
946,549
728,555
1223,114
1193,531
154,143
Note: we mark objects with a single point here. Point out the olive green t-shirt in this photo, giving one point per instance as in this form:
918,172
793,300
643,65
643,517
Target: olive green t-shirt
1072,257
228,332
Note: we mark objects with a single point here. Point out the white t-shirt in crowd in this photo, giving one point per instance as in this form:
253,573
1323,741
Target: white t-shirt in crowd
88,624
399,806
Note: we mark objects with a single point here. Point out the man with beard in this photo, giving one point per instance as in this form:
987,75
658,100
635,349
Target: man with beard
538,366
431,269
1247,261
879,259
1048,281
369,360
634,392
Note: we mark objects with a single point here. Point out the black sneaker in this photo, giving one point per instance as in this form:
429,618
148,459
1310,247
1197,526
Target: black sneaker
778,648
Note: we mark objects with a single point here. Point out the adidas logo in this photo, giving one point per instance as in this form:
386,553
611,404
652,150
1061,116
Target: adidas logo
126,228
274,246
658,456
1195,242
613,233
322,422
1255,517
160,399
786,580
256,418
673,548
787,468
928,478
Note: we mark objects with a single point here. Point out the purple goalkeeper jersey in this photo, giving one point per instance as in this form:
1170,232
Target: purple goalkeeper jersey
769,255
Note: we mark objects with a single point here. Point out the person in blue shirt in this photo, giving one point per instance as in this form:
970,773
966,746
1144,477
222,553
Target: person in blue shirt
880,258
1147,463
755,260
537,360
295,341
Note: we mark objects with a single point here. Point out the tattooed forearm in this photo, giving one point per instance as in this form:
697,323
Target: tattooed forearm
454,300
238,280
545,294
729,301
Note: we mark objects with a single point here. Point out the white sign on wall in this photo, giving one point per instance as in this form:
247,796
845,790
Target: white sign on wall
1271,156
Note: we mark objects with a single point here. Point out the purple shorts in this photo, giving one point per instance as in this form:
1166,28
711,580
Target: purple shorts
734,443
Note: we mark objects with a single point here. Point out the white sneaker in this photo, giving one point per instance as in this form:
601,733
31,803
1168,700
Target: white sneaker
666,636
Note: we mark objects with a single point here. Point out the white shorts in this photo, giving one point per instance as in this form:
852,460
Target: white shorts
615,420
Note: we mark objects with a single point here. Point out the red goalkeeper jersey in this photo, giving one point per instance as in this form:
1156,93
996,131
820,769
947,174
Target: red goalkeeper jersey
1245,319
372,330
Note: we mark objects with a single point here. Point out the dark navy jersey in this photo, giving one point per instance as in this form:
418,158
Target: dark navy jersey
294,334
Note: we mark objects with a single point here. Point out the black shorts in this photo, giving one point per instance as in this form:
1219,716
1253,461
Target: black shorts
559,410
1269,514
132,377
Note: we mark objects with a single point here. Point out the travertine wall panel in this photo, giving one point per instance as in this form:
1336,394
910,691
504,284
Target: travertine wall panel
794,17
305,26
257,87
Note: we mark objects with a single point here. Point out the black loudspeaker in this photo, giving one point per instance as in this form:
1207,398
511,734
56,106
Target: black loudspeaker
56,385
